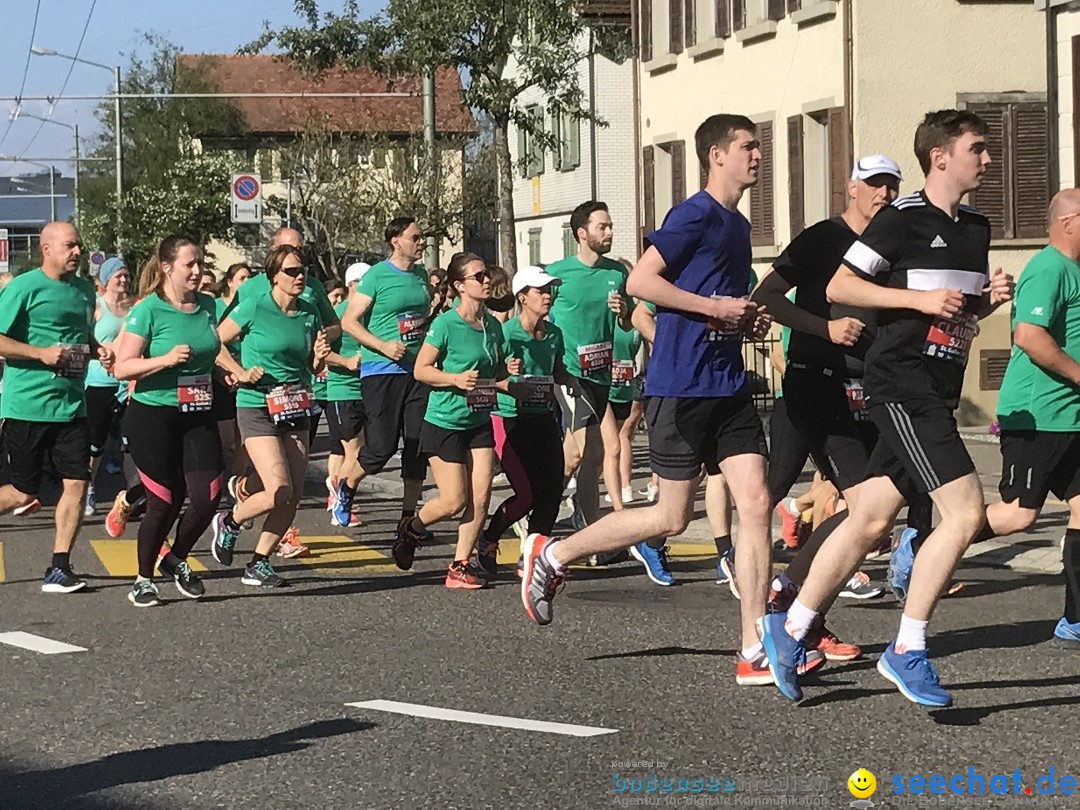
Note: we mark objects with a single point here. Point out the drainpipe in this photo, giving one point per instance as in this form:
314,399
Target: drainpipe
849,71
1052,97
637,124
592,109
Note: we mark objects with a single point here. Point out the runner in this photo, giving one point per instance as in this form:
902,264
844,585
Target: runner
236,461
923,260
168,348
617,458
46,317
280,345
1039,402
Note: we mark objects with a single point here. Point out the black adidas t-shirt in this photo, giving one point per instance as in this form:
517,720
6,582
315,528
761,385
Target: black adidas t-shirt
916,246
808,264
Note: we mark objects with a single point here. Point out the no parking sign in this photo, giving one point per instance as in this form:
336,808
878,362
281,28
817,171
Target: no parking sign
245,198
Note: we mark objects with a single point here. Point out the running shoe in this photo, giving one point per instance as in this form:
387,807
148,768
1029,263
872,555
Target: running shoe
727,565
954,587
823,640
487,557
113,465
576,519
224,540
520,566
607,558
914,675
860,587
90,506
651,493
539,582
1066,636
61,580
187,582
789,517
331,491
627,495
144,593
405,543
901,563
521,529
461,574
354,520
785,654
342,508
290,545
756,672
655,561
116,520
27,508
235,486
781,596
262,574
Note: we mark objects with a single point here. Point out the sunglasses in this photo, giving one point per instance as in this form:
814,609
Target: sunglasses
294,271
480,277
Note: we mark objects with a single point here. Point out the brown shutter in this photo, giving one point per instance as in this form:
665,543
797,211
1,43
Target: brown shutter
776,9
1031,172
648,191
689,22
677,150
675,26
992,196
796,191
738,15
723,18
646,30
839,161
761,195
793,5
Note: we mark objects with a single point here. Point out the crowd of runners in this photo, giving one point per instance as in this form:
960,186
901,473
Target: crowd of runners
216,390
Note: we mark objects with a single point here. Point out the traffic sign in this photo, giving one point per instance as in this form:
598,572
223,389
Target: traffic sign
245,199
97,258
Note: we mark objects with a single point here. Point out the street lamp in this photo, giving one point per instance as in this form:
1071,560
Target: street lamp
52,180
75,138
115,71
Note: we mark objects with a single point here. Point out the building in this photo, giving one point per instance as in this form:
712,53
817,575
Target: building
826,80
593,162
1062,24
27,203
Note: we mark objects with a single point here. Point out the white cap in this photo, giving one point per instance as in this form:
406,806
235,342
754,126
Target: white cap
356,272
531,276
872,165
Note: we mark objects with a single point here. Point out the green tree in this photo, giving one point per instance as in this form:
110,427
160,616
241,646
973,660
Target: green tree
543,39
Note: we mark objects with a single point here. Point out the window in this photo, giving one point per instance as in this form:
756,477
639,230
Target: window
530,150
675,26
567,132
818,166
1015,189
534,246
569,243
762,216
646,23
748,13
663,178
722,18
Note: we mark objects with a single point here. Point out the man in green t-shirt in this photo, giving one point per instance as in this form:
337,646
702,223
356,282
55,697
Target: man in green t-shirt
1039,402
590,298
46,337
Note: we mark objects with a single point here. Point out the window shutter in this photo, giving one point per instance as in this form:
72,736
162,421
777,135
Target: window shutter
723,18
776,9
648,191
536,152
793,5
678,171
646,30
738,15
796,190
1031,171
675,26
690,22
522,153
839,161
573,126
991,198
560,146
761,195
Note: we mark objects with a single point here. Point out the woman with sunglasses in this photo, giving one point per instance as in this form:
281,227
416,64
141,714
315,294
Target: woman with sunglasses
281,344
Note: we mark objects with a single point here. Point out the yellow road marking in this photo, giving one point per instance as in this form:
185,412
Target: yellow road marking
3,573
340,555
120,557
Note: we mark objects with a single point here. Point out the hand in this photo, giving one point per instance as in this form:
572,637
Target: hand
55,356
230,380
321,349
394,349
513,366
179,354
940,303
352,363
617,304
1001,287
466,380
761,324
845,331
732,311
105,356
252,375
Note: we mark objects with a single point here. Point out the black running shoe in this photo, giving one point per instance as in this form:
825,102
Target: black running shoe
262,574
487,557
186,581
61,580
405,542
144,593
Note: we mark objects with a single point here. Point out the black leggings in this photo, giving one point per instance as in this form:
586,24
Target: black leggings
177,455
788,453
530,451
103,414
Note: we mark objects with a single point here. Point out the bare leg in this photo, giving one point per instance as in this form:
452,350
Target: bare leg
718,505
69,514
746,478
480,468
452,483
609,435
588,472
286,496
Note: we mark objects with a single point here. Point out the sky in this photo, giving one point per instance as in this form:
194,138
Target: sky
112,32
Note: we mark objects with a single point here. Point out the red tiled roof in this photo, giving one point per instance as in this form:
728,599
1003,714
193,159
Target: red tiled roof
267,73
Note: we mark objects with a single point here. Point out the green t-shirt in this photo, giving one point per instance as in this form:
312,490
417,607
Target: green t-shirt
625,351
343,385
164,327
580,308
279,342
463,348
40,311
1032,398
400,300
314,293
538,358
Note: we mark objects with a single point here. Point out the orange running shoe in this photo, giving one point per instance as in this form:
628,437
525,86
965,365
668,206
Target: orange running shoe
756,672
290,545
116,520
788,520
461,574
27,508
825,641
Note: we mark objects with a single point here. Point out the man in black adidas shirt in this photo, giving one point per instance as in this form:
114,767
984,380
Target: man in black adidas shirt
923,263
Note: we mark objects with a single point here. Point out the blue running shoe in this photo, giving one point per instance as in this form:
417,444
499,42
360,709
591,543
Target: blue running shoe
914,676
900,564
1066,636
342,508
655,562
786,655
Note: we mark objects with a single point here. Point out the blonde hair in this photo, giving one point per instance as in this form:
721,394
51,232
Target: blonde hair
152,276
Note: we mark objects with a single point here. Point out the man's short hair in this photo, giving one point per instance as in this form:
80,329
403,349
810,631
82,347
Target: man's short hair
719,130
580,217
940,128
396,227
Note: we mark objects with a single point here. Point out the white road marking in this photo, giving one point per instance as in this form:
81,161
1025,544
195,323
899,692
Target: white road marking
454,715
38,644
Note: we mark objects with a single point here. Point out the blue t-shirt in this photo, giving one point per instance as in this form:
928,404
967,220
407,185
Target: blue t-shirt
707,252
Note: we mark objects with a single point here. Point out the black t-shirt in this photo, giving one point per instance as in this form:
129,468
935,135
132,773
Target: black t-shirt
808,264
915,245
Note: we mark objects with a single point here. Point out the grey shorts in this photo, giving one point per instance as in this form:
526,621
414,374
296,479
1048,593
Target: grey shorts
255,422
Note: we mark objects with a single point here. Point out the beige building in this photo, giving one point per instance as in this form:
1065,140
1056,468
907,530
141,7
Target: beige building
827,80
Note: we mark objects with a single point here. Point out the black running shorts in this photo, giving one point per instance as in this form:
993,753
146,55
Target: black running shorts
1035,463
919,440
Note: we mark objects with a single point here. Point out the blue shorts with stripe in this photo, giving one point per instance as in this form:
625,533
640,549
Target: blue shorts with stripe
917,441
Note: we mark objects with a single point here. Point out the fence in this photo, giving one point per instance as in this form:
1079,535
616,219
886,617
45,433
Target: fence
761,378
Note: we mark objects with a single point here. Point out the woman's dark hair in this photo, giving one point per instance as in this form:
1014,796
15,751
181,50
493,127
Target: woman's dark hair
501,300
230,274
455,272
332,284
276,257
152,275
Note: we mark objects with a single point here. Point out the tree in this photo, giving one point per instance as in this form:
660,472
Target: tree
480,38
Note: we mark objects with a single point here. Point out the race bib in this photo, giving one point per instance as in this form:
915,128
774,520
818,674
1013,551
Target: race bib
594,357
288,402
482,398
856,399
950,338
321,376
719,332
78,357
622,372
411,326
543,389
194,394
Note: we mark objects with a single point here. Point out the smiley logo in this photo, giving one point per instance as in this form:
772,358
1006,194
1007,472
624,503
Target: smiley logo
862,784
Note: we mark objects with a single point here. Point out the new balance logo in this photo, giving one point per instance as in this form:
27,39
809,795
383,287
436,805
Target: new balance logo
938,242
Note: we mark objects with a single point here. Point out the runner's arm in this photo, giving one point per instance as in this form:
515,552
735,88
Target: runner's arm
771,293
644,320
14,350
646,281
358,306
131,365
424,369
1038,344
849,288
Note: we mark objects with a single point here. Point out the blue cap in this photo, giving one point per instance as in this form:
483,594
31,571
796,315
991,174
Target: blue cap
108,269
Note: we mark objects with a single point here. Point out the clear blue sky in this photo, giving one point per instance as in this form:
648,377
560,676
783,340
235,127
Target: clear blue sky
113,32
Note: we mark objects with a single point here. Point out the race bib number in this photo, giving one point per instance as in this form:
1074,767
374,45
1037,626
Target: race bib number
950,338
287,403
321,376
543,389
622,372
856,399
194,394
482,398
719,332
78,355
594,357
411,326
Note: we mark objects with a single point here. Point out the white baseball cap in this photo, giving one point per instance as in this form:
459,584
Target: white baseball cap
531,276
356,272
872,165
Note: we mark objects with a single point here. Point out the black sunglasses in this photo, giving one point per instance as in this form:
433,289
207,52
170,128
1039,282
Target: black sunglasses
480,277
294,271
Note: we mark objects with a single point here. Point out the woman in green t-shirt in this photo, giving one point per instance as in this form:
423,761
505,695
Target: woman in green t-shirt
168,347
281,344
461,359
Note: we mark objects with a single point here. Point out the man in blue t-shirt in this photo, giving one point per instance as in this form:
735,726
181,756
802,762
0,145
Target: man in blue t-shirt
697,270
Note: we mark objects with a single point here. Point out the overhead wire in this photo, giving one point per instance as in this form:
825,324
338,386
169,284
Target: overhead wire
26,70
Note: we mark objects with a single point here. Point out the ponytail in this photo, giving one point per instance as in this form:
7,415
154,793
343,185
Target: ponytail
152,274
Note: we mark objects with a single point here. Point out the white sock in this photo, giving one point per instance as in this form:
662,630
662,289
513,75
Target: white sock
799,619
912,634
750,653
557,566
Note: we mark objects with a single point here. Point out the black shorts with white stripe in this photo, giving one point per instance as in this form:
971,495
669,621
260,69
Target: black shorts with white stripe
920,441
1035,463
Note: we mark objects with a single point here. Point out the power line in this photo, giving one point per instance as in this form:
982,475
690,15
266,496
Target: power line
26,69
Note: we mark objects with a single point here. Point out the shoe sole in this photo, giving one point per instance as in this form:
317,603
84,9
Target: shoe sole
261,583
764,679
770,654
887,672
300,552
731,579
458,585
637,555
54,588
853,595
1059,643
838,658
533,547
131,598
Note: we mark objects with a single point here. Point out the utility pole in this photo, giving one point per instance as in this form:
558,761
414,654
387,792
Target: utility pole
119,162
431,249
